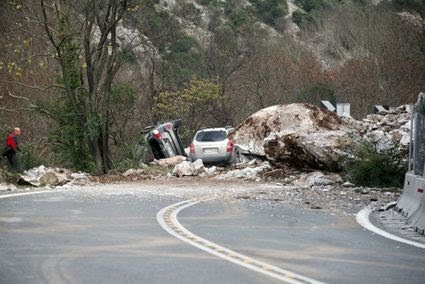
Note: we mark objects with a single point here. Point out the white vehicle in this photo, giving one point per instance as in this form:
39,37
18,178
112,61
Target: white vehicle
212,145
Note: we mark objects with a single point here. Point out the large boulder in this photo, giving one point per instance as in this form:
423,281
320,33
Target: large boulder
53,179
299,135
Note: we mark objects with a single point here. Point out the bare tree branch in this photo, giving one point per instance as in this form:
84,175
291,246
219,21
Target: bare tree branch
33,87
31,106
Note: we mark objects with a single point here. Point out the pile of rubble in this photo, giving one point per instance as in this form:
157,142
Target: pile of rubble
387,129
49,177
305,136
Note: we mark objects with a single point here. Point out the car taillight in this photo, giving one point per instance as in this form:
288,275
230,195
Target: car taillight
157,134
229,147
192,148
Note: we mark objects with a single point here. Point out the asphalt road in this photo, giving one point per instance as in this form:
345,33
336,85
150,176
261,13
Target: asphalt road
112,236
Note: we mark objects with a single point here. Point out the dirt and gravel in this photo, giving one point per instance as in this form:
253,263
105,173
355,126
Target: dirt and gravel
335,198
316,190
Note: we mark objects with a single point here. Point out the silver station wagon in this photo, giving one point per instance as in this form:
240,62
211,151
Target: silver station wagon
212,145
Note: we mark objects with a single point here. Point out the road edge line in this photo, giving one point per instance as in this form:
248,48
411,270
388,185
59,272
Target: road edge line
362,218
22,194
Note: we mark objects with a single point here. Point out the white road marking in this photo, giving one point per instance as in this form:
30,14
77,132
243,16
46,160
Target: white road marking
363,219
167,218
22,194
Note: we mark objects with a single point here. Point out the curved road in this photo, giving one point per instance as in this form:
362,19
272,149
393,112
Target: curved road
111,235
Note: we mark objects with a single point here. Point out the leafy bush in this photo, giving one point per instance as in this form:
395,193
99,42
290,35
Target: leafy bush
309,5
193,105
415,5
240,18
377,169
207,2
126,164
31,156
270,10
301,19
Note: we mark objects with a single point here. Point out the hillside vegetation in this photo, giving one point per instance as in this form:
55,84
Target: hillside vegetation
83,82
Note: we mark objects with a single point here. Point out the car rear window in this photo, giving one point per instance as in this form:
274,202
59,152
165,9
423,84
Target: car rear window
211,136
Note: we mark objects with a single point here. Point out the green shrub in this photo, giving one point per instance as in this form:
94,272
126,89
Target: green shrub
309,5
415,5
239,18
207,2
30,156
126,157
270,10
377,169
302,19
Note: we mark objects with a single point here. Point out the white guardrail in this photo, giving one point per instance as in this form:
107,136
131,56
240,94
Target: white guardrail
412,202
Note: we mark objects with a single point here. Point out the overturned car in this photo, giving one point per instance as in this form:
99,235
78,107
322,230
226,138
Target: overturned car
164,140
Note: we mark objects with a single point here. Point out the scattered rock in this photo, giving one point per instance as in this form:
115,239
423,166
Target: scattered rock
8,187
184,169
249,173
198,166
323,180
49,178
132,172
52,179
347,184
169,162
25,181
211,170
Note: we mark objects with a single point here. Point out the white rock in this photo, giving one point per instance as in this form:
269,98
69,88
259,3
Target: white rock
128,172
199,165
211,170
80,176
184,169
12,187
8,187
131,172
323,180
170,162
347,184
52,179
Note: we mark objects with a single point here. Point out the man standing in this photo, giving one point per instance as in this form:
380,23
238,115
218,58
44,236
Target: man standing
11,149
